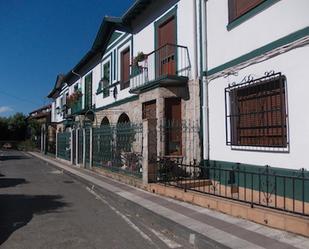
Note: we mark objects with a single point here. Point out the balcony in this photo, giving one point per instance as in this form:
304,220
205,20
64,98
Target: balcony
167,66
76,108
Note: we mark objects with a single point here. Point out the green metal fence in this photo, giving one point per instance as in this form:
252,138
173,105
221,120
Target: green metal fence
119,148
64,145
115,147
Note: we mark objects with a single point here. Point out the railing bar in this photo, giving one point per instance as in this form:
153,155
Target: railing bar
284,193
226,182
259,188
293,195
251,189
238,181
219,180
245,187
303,191
275,191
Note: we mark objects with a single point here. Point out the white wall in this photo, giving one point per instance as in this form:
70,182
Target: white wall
98,74
58,117
294,65
277,21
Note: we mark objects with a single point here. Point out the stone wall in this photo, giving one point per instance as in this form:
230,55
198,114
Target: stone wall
189,95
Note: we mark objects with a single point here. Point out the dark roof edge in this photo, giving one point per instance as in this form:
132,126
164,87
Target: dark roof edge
108,25
57,85
41,108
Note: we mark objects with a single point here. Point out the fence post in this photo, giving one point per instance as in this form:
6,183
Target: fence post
71,146
145,152
90,148
42,140
76,146
56,143
84,147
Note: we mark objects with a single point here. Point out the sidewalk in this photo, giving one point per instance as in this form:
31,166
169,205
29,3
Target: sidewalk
229,231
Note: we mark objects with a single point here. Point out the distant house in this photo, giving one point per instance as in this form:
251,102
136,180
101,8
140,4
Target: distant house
46,139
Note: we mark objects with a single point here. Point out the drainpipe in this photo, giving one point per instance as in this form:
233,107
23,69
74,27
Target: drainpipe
79,76
201,91
203,80
195,76
206,84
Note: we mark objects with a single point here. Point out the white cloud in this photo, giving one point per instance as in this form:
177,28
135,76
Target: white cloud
5,109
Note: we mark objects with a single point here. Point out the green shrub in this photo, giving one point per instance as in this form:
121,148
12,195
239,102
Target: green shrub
26,145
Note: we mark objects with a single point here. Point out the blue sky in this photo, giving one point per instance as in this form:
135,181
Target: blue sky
41,38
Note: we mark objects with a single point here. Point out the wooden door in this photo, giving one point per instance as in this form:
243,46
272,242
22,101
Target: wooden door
173,138
167,50
125,69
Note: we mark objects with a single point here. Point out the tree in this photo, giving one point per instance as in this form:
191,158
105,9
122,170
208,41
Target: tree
4,131
17,127
34,128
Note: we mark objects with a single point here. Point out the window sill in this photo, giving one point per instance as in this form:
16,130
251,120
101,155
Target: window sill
260,148
261,7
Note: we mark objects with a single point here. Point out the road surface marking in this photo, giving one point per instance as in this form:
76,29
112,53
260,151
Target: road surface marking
192,239
126,219
170,243
56,172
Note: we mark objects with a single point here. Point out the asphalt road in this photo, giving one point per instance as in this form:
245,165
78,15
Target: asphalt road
41,207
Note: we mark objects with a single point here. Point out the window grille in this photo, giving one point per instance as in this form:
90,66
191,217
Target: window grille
256,113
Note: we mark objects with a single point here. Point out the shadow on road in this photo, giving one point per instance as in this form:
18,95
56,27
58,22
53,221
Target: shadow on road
11,182
17,210
12,157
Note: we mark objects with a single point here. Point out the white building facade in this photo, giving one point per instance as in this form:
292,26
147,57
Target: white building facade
255,60
142,66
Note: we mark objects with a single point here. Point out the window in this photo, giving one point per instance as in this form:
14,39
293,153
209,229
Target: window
106,79
239,7
125,69
256,113
88,92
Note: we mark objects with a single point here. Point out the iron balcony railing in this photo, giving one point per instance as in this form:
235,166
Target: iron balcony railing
167,61
76,107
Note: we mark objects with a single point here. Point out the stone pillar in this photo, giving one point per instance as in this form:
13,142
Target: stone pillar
84,147
45,138
160,121
56,143
42,140
71,146
145,151
90,149
76,146
150,143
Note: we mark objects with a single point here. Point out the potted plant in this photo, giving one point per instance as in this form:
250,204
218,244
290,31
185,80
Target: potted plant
137,68
139,58
74,97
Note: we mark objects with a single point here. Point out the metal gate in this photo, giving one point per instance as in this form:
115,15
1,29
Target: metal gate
74,147
64,145
119,148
